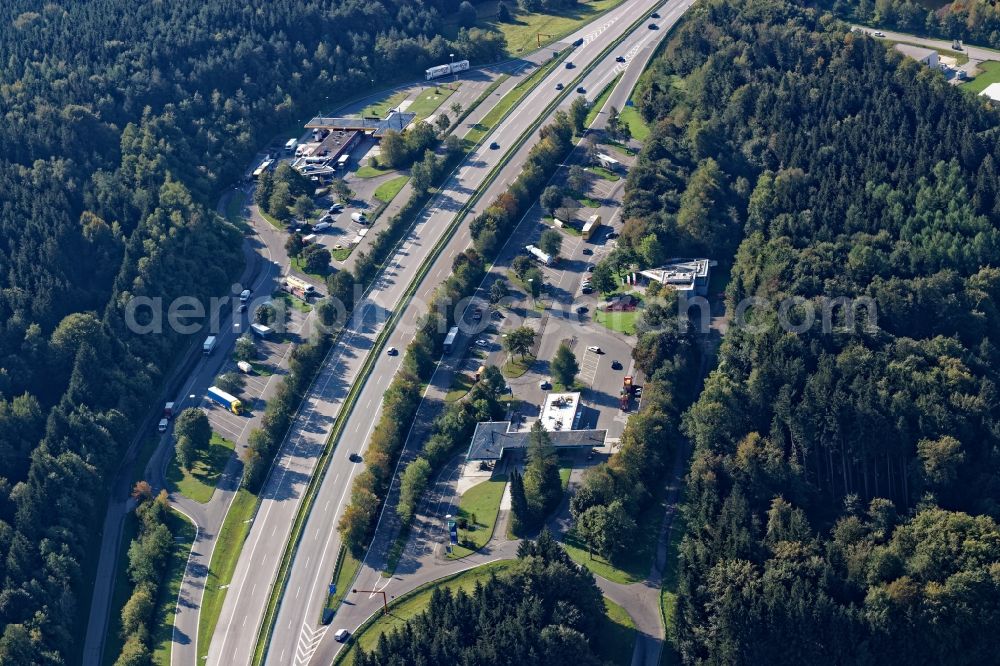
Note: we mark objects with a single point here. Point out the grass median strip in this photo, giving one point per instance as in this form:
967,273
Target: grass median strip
224,558
166,605
388,190
601,100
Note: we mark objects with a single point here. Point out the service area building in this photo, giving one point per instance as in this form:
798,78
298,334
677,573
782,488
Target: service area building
560,416
688,276
924,56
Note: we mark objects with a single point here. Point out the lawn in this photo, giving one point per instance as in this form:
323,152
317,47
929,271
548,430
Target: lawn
342,254
300,267
409,606
623,322
635,565
588,202
290,301
640,130
617,635
220,571
517,366
261,369
479,505
381,107
461,384
166,605
604,173
271,220
368,171
343,574
199,482
991,74
428,101
620,147
523,33
601,100
388,190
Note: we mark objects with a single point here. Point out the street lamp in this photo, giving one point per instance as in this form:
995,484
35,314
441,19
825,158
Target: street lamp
453,67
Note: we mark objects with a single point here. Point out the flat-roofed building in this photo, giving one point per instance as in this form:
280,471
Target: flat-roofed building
922,55
688,276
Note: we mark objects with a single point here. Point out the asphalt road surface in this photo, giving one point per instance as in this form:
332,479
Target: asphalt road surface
298,638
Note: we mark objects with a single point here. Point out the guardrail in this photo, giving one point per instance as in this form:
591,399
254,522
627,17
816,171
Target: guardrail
277,589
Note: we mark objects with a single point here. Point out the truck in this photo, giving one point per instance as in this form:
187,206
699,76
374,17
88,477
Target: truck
264,166
260,331
168,410
449,340
244,367
359,218
209,345
290,145
628,390
590,226
539,255
298,287
343,160
444,70
228,401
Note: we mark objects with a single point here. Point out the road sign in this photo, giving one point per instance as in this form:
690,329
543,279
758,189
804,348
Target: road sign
333,588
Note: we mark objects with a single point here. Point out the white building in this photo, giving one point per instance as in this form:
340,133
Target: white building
927,57
992,92
688,276
561,411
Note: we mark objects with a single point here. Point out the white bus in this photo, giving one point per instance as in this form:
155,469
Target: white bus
290,145
449,340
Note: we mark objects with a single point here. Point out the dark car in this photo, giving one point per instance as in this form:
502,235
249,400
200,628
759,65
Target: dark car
587,250
653,26
559,86
570,65
613,235
590,268
494,145
580,89
615,365
587,290
354,458
583,309
620,59
578,42
655,15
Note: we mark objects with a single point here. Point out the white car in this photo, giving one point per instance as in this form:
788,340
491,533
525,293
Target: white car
879,33
341,635
482,343
595,349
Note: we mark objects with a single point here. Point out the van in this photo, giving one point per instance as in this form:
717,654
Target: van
311,238
341,635
244,367
322,226
244,296
359,218
162,426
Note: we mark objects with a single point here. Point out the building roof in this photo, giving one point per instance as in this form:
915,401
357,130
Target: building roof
395,120
916,52
992,91
560,411
492,438
680,274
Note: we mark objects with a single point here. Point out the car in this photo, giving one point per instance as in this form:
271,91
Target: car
613,235
162,425
587,289
590,268
322,226
588,251
482,343
392,351
879,33
583,309
615,365
581,89
354,458
545,384
335,208
494,145
653,26
620,59
477,314
242,308
342,635
496,314
570,65
559,86
595,349
578,42
654,15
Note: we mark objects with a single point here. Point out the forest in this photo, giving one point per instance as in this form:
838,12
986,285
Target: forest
843,496
973,21
544,610
121,122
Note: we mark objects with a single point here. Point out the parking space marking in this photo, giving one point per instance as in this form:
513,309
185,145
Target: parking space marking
588,367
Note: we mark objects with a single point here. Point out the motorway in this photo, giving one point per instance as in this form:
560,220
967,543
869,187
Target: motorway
298,638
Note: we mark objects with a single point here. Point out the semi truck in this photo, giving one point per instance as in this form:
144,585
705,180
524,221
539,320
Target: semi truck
444,70
228,401
539,255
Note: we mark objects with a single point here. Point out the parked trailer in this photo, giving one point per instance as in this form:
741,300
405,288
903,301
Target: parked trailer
592,224
460,66
228,401
449,340
539,255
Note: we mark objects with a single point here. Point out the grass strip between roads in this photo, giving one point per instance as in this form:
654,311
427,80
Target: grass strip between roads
601,100
226,554
277,589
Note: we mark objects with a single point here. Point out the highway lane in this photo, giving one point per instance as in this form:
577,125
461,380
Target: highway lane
297,632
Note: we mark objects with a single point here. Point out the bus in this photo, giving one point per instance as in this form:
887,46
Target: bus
342,160
592,224
264,166
449,340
